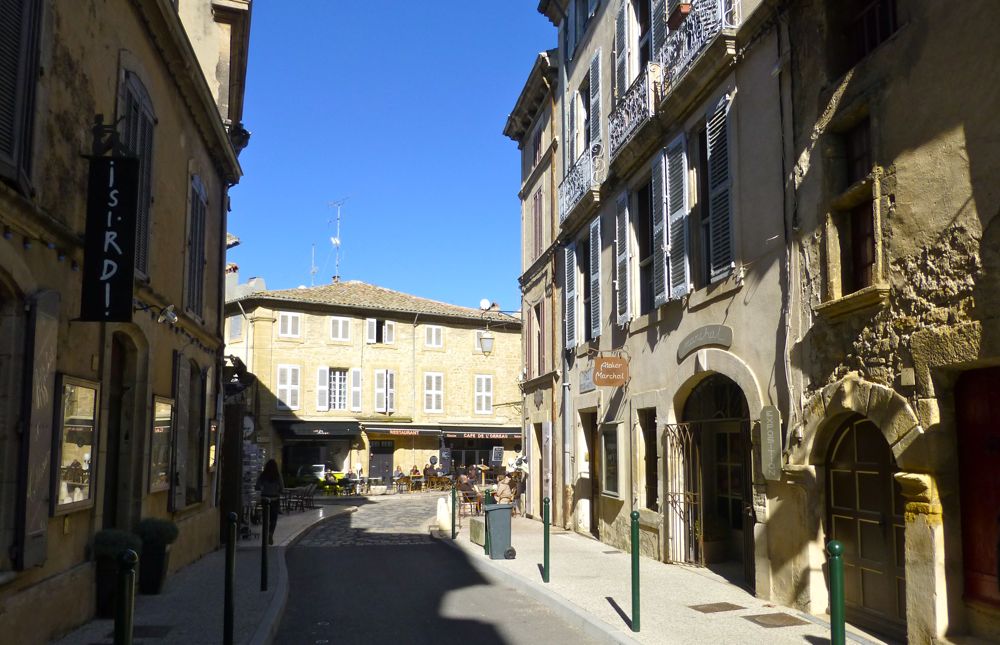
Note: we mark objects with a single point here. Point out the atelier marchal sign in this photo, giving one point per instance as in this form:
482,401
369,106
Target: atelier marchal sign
770,442
610,371
719,335
109,248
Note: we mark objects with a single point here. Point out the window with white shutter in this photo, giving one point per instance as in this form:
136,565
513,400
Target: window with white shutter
622,51
434,336
595,98
484,394
390,391
380,390
323,389
380,331
138,123
288,387
389,334
594,248
340,328
679,265
19,27
371,330
433,392
235,328
569,295
659,209
622,284
356,389
720,235
289,324
338,389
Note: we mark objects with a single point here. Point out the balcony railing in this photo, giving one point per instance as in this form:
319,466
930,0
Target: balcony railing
584,175
634,109
706,19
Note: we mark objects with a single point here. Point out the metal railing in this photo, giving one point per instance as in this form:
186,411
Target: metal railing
634,109
583,176
706,19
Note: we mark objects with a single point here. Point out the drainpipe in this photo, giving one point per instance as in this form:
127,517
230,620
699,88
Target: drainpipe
413,368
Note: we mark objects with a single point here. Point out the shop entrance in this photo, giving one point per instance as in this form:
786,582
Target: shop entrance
380,462
121,419
588,485
709,501
978,409
865,512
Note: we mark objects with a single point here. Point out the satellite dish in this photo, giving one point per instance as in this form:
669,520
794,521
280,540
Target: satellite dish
484,304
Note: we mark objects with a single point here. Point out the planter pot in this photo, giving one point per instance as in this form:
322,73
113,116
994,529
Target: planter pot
678,12
153,568
107,583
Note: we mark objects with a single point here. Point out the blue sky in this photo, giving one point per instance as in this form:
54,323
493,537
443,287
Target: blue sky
398,106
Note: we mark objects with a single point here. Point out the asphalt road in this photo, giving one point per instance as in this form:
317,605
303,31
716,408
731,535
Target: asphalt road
376,576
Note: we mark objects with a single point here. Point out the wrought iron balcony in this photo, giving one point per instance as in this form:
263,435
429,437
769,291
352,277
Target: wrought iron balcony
704,22
584,176
634,109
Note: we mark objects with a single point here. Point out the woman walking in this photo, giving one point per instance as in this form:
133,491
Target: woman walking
270,484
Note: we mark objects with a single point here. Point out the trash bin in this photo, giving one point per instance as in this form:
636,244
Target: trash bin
498,528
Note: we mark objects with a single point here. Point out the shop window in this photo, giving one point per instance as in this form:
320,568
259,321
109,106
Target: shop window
647,425
609,460
159,444
76,441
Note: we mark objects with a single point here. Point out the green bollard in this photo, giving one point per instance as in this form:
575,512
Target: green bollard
545,523
230,582
454,508
125,602
837,630
635,571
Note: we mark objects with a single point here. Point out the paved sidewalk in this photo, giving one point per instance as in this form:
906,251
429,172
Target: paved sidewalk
190,609
591,581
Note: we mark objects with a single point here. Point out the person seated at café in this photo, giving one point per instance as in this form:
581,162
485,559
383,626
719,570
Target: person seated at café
396,474
414,472
428,471
504,493
469,490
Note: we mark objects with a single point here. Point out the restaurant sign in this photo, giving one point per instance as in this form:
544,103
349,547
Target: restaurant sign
770,439
610,371
109,246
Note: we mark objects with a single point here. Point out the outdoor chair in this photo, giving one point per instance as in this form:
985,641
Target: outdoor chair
469,501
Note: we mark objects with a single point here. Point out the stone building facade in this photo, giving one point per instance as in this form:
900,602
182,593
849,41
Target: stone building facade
104,423
820,361
353,375
534,125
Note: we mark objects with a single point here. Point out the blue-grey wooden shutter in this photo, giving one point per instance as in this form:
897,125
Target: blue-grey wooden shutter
719,199
660,256
18,72
182,401
622,259
595,98
621,51
137,137
569,293
595,277
677,218
571,132
571,31
659,27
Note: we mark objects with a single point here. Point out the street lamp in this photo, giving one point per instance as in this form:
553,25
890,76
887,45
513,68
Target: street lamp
486,336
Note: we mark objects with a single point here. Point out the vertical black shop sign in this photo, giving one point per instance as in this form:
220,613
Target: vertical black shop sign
109,248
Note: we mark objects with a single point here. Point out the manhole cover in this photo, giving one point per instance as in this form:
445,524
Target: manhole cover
148,631
776,620
711,608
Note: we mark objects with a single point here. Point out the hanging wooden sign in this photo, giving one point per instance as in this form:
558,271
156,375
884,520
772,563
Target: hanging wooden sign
610,371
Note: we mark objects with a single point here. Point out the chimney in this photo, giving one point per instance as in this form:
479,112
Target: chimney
232,279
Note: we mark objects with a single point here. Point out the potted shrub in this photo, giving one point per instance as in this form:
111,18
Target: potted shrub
109,547
157,535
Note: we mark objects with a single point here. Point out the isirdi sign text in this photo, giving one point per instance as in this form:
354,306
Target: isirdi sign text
109,249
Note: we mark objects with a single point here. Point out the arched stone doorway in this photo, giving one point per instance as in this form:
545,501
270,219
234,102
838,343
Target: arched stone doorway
709,507
864,511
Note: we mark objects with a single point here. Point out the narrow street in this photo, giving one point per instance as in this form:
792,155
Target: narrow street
376,576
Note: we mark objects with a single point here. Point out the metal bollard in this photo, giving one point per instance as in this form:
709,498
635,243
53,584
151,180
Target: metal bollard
454,508
837,630
227,627
125,600
635,571
265,530
545,543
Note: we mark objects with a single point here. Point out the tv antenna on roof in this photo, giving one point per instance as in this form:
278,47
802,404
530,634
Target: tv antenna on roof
335,240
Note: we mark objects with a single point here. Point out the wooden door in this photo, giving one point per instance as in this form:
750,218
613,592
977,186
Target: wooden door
978,409
865,512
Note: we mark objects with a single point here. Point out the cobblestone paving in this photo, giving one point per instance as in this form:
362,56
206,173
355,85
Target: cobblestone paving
391,520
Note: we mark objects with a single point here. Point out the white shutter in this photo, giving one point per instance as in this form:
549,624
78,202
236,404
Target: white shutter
389,332
595,98
380,390
659,27
621,52
390,391
622,259
293,387
356,389
660,255
282,386
282,324
569,293
371,330
323,389
677,217
719,207
595,277
429,336
293,324
428,392
488,394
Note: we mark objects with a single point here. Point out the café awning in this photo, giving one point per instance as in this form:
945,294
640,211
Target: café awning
481,432
317,429
403,431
